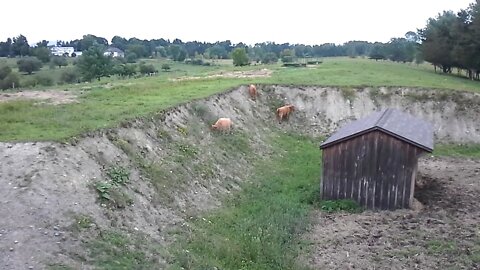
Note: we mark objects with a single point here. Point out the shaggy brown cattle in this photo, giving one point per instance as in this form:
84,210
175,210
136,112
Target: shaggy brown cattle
252,91
222,124
284,112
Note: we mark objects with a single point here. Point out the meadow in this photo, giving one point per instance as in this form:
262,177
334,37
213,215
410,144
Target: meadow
106,103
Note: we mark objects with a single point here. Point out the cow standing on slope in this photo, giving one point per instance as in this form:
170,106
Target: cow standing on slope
223,125
284,112
252,91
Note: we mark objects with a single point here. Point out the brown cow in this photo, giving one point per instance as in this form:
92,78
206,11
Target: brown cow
222,124
284,112
252,91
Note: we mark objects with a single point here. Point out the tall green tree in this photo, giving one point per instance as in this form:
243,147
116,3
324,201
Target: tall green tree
239,56
177,52
93,64
42,53
60,61
438,40
20,46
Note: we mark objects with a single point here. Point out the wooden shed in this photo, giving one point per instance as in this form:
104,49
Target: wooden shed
374,160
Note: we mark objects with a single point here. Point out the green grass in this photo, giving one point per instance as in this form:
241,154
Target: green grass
365,72
340,205
259,227
112,100
113,250
458,150
441,246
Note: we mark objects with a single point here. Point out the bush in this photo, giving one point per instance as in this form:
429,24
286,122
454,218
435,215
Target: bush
131,57
4,71
10,81
166,67
69,76
29,64
240,58
59,61
147,69
269,58
44,80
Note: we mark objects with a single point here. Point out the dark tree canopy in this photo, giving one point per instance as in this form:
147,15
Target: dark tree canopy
239,56
93,64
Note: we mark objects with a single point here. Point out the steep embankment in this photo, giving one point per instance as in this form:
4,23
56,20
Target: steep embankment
154,174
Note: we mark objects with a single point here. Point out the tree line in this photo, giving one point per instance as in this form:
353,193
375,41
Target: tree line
453,41
265,52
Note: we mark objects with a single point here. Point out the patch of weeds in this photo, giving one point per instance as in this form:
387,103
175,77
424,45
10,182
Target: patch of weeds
104,188
332,206
162,134
202,111
475,253
110,191
417,96
126,147
348,93
204,170
164,181
440,246
81,222
186,151
114,250
233,143
183,131
118,175
374,93
275,103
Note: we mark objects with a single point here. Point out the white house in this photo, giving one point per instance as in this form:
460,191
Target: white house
62,51
114,52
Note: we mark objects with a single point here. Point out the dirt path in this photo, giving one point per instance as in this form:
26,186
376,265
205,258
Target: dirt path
445,234
54,97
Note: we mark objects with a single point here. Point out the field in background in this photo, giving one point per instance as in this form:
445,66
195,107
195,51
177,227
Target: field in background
107,102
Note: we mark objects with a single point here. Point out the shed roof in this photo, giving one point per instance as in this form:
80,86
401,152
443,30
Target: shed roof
391,121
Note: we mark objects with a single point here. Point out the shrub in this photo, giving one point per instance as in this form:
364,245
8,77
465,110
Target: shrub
165,67
69,76
147,69
269,58
44,80
131,57
10,81
29,64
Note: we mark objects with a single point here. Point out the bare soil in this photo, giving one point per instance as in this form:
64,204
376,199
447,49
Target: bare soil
48,188
258,73
444,234
54,97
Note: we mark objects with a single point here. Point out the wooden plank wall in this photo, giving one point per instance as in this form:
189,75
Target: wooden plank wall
374,169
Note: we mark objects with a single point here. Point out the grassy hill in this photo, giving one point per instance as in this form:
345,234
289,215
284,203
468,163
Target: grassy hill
108,102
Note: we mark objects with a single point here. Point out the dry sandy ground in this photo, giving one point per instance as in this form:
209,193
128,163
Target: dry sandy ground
50,96
445,234
233,74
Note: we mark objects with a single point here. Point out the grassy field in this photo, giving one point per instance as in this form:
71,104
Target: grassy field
108,102
259,227
454,150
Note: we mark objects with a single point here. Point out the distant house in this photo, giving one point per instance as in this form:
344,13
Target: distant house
62,51
114,52
374,160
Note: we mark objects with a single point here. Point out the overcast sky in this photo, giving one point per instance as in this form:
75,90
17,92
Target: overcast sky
249,21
